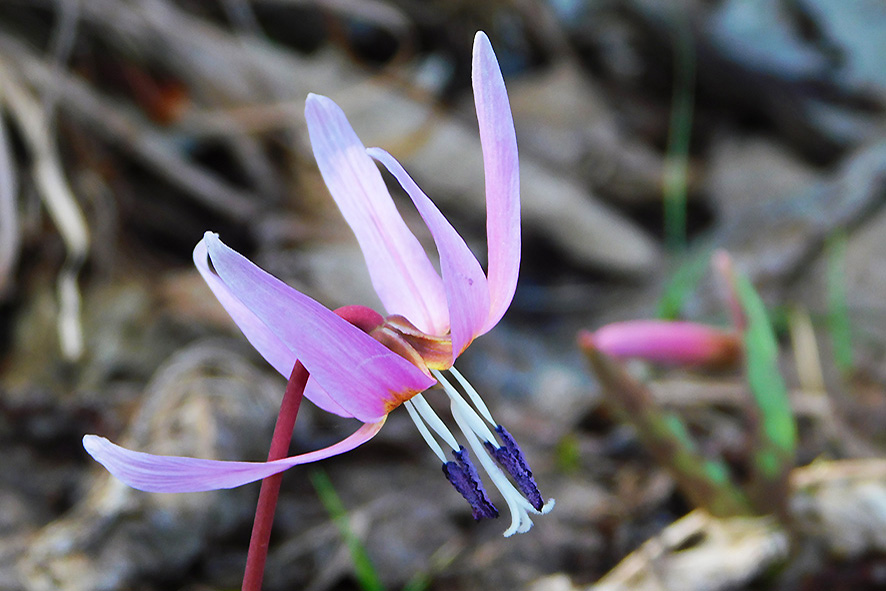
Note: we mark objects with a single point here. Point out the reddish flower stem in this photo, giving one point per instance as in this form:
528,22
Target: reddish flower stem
270,486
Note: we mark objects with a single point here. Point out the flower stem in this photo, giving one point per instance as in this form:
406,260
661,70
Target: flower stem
270,486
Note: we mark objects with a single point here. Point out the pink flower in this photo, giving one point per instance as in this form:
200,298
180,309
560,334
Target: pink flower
660,341
366,372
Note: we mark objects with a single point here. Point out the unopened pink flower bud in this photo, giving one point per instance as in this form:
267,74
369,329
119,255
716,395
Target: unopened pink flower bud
660,341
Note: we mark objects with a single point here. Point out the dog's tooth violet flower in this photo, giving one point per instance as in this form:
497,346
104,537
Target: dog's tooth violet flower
367,369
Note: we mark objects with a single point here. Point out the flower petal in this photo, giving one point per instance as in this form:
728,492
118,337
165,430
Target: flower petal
502,171
272,348
467,291
401,272
275,351
316,394
171,474
365,378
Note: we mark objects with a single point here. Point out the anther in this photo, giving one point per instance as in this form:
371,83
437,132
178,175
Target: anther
518,506
511,459
463,476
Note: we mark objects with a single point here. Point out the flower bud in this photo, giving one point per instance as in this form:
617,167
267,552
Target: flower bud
667,342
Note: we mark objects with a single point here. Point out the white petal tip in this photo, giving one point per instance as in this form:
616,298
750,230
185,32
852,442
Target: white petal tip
210,237
92,444
318,101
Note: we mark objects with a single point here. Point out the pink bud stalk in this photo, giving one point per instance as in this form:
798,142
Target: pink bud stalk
724,267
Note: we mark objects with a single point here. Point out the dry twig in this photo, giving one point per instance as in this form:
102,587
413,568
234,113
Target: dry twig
24,107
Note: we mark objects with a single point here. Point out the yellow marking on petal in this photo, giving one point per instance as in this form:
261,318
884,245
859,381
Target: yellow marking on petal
426,352
399,398
434,351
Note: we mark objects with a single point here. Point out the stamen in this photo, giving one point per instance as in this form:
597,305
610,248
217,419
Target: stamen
474,395
433,421
511,458
471,416
523,499
432,443
519,507
463,476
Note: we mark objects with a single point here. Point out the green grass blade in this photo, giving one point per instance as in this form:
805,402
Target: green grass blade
682,283
364,571
419,582
775,432
839,325
676,165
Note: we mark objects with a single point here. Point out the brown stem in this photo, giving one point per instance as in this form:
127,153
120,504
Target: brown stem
270,486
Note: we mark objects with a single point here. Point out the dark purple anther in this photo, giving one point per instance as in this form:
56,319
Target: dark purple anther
463,476
511,459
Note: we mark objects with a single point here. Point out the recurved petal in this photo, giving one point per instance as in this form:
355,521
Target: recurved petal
502,170
268,344
172,474
467,291
401,272
275,351
316,394
366,379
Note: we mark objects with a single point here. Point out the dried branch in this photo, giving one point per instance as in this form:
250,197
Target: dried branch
10,238
60,203
101,115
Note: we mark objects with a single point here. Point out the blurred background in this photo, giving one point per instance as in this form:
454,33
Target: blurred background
650,134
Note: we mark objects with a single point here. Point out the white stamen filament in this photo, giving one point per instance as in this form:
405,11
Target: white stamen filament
479,428
432,443
474,428
470,415
520,521
433,421
474,395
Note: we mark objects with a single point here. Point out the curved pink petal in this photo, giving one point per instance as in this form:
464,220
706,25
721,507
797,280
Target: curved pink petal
173,474
316,394
272,348
365,378
401,272
467,291
502,171
275,351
